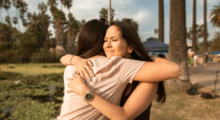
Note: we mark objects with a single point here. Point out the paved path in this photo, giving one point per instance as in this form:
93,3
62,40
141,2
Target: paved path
205,75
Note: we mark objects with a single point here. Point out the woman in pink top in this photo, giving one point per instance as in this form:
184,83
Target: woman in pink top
122,39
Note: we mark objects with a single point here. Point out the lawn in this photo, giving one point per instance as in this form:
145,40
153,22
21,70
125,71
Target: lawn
33,69
43,95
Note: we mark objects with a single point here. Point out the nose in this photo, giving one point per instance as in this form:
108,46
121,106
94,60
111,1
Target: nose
109,44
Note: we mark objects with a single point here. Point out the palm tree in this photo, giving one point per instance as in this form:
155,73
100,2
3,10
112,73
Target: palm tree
42,7
58,20
17,5
194,44
22,11
72,31
215,16
161,21
68,4
155,31
104,13
8,20
177,46
205,30
1,5
15,20
6,4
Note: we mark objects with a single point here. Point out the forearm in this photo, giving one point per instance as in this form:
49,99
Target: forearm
162,60
69,59
144,92
110,110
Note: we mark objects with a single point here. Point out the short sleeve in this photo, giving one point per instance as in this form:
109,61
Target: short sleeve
128,69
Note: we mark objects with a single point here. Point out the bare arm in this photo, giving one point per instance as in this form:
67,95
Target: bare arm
83,66
159,70
144,93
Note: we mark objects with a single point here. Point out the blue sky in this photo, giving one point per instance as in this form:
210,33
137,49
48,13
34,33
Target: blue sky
145,12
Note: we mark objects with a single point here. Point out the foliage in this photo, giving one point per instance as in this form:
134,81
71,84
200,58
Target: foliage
215,45
199,32
104,13
31,98
215,16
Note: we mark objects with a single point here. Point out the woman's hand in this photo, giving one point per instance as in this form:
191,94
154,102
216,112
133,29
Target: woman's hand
78,85
83,67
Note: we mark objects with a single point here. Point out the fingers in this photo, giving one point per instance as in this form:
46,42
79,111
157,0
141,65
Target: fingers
90,71
69,91
81,74
90,63
86,74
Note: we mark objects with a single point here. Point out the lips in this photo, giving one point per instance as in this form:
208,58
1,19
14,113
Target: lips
109,50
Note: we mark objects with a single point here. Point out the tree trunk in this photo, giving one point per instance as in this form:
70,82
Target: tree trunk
161,21
70,44
177,46
60,51
205,30
194,44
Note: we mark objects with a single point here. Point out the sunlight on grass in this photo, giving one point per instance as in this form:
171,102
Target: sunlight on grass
33,69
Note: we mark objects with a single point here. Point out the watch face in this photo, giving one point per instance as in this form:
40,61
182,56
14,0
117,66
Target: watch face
88,96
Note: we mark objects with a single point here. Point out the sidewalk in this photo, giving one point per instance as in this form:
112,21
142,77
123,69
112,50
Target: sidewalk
205,76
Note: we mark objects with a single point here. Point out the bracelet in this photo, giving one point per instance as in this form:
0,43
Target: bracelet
71,60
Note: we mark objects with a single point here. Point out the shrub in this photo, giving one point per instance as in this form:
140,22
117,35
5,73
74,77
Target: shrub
44,58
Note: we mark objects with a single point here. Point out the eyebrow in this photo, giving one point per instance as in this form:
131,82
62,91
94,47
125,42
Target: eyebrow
112,37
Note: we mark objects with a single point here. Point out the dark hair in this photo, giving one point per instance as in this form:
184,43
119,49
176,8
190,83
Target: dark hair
161,55
91,38
129,33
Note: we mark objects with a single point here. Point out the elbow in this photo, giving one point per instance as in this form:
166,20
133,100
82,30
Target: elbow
62,60
178,71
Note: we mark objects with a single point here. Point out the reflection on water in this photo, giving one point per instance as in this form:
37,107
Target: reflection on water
52,88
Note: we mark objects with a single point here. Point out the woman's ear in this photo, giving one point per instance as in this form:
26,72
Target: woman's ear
130,49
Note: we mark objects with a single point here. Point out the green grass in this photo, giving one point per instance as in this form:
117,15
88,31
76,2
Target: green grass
33,69
178,105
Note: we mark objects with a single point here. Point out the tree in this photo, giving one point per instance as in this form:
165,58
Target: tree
155,31
72,32
194,40
42,7
6,4
205,30
15,20
161,21
104,13
1,6
58,21
215,45
23,9
68,4
17,5
199,30
177,46
215,16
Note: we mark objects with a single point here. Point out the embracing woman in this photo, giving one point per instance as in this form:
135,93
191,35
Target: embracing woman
99,97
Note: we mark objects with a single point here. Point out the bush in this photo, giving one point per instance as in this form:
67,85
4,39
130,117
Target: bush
44,58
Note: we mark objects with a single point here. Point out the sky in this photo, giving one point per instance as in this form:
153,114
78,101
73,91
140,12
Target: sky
145,12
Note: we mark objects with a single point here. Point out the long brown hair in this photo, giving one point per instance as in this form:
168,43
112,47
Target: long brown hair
132,38
91,38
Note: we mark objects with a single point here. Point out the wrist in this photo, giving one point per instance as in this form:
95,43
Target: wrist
75,59
85,90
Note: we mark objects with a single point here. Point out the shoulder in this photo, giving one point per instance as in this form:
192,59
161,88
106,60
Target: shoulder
69,69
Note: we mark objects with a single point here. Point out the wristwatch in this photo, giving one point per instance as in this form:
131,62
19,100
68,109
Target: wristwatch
89,96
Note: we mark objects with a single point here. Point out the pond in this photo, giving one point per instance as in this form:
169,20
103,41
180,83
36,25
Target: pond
30,97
